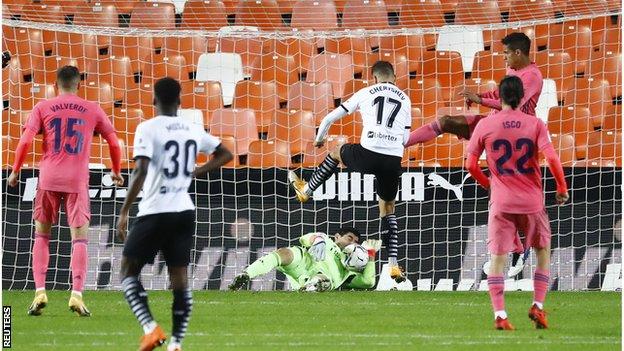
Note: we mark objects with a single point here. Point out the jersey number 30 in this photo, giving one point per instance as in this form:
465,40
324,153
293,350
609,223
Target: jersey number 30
379,101
173,168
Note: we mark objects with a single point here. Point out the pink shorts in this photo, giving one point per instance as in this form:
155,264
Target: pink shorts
48,203
503,229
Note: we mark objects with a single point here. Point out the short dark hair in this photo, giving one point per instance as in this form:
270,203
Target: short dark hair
511,91
518,41
347,230
383,68
67,77
167,91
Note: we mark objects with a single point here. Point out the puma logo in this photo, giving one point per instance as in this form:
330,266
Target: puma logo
436,180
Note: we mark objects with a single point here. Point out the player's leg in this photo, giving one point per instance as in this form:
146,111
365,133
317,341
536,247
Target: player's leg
176,250
458,125
325,170
78,216
280,257
182,306
141,247
45,213
538,236
502,239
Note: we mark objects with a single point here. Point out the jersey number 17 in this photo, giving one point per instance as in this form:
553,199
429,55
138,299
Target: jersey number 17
379,101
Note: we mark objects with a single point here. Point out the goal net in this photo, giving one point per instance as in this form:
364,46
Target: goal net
261,76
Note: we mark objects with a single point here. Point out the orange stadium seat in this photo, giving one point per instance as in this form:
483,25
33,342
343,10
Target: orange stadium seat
100,154
123,7
572,120
445,151
576,41
564,145
350,126
357,47
365,14
477,12
315,15
446,67
259,96
125,121
136,48
101,16
314,97
286,6
332,68
240,123
524,10
101,93
9,145
426,94
489,65
27,95
250,49
43,13
206,15
155,15
204,96
189,47
283,70
353,86
399,62
610,40
13,122
584,7
605,147
608,66
165,66
115,70
85,48
594,94
426,13
301,49
264,14
28,48
412,46
47,73
558,66
229,142
268,154
312,156
295,127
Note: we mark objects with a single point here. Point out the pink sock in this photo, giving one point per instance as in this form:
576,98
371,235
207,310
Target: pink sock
540,285
40,259
496,286
78,264
424,133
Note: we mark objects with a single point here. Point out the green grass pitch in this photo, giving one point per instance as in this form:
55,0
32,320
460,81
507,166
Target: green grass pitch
326,321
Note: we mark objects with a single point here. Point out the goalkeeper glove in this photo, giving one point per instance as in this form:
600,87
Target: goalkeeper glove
372,246
317,250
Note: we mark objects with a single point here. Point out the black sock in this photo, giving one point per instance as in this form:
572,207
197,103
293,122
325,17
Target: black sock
136,296
181,313
322,173
390,224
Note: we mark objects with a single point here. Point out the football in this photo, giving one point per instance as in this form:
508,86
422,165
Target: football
356,257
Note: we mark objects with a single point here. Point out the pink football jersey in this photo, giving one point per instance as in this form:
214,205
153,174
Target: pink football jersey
532,83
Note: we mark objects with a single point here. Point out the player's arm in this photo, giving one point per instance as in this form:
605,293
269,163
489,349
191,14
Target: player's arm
532,83
106,129
32,127
554,164
490,99
315,243
475,148
137,178
344,109
221,156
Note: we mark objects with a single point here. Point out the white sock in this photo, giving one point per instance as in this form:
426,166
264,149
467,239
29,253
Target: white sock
306,190
77,293
392,261
173,344
149,327
539,305
40,289
502,314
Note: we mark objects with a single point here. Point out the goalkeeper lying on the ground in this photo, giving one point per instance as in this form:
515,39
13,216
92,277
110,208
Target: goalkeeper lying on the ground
316,265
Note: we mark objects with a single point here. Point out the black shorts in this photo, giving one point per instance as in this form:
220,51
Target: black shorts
171,233
386,168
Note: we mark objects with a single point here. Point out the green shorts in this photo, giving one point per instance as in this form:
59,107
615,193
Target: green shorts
303,267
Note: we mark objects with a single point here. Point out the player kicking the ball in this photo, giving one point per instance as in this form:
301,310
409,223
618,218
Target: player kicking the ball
511,140
68,123
386,117
165,150
316,265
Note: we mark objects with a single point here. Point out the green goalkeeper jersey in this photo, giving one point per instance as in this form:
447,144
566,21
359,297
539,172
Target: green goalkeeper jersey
304,267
